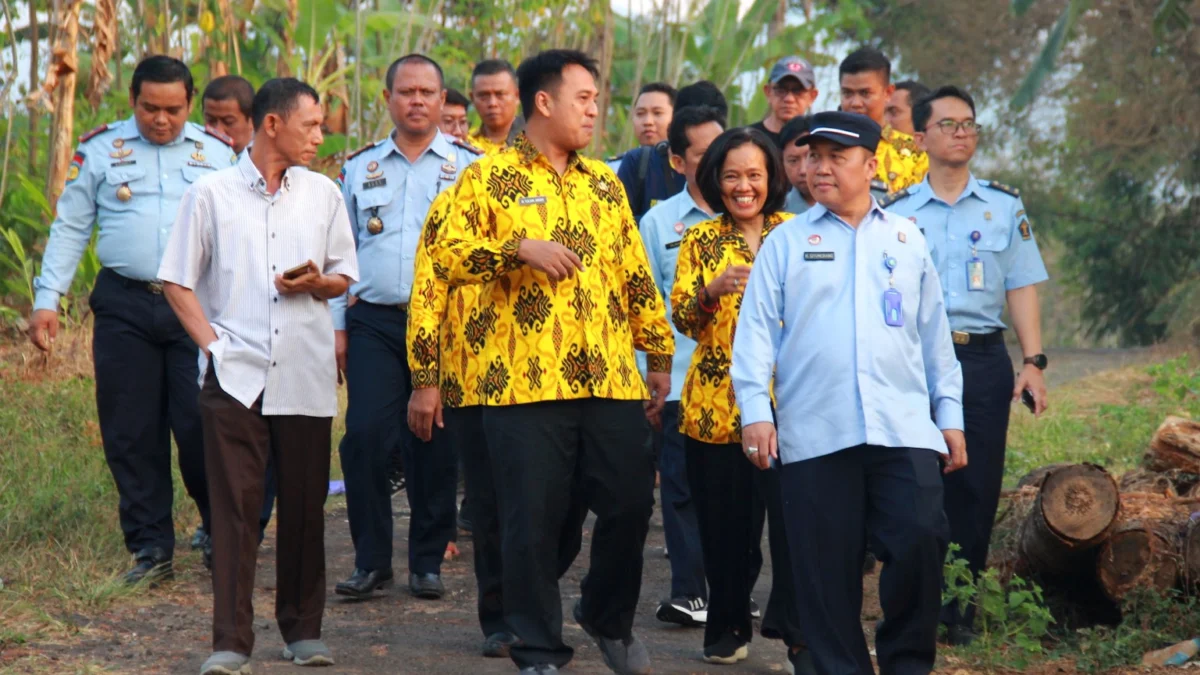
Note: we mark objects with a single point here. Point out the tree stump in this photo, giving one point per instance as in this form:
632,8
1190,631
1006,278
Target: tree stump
1036,477
1143,550
1074,512
1141,480
1176,445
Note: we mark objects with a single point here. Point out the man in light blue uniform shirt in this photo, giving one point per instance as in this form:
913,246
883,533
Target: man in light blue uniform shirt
982,244
690,133
843,312
128,178
389,187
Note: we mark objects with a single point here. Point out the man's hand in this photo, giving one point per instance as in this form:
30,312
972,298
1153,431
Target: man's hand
957,443
1032,378
43,328
660,386
761,438
732,280
425,410
557,261
340,341
310,282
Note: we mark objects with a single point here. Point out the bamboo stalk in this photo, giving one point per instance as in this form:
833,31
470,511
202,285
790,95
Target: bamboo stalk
8,106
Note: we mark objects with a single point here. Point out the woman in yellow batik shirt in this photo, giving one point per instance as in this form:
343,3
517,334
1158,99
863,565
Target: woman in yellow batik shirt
742,174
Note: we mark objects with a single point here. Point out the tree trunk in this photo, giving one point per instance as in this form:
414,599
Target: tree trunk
35,113
1036,477
103,45
605,84
1143,550
1074,511
282,68
63,68
1176,445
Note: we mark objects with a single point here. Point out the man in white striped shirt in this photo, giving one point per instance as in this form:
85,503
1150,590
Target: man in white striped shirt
256,254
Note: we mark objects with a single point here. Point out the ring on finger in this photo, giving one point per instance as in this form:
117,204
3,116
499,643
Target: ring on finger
751,451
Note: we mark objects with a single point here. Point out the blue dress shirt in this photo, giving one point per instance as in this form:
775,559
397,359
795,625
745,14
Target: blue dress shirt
133,232
662,229
380,182
794,203
813,316
1006,247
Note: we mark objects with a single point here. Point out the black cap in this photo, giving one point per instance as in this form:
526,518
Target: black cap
849,129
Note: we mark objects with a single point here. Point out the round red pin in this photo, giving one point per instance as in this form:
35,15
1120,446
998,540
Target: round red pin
814,239
679,228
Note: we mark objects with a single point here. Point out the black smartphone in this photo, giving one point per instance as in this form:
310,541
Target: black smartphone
1027,399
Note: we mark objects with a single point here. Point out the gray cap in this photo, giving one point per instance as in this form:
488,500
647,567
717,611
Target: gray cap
793,66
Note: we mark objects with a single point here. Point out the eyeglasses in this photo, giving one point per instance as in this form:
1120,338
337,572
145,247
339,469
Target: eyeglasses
784,92
951,127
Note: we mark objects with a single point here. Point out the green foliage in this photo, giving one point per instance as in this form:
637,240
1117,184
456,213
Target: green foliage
1149,621
1012,618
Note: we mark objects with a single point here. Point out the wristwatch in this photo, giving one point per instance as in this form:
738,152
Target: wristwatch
1038,361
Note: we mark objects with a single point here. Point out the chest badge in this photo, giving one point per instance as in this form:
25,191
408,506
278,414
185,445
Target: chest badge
120,153
375,223
373,173
199,145
449,168
987,215
813,240
198,156
901,236
118,143
372,167
679,228
124,193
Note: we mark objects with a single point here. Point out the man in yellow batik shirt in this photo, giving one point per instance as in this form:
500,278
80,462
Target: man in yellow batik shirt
568,293
865,80
494,93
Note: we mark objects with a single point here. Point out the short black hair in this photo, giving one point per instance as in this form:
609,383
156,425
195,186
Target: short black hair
793,129
923,109
702,93
232,87
916,90
543,72
657,88
279,96
161,70
492,67
708,174
866,60
691,116
413,58
455,97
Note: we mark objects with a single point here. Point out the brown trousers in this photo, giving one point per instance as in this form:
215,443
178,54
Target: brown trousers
237,441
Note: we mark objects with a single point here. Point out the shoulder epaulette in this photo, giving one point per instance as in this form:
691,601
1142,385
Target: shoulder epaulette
893,198
359,151
93,133
1012,191
219,135
466,146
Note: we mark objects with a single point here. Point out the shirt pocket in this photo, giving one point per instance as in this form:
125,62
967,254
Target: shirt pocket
191,174
992,250
117,178
371,203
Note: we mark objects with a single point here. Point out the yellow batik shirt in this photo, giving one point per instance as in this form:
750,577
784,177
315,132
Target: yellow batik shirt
708,411
901,164
445,327
479,139
544,340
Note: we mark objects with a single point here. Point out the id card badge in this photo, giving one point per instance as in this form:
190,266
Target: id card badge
893,311
975,275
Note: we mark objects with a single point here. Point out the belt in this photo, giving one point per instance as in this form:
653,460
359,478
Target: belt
963,338
402,306
155,287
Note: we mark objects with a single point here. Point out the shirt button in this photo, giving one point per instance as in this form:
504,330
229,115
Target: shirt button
272,268
276,299
273,364
954,294
166,176
272,235
953,238
277,331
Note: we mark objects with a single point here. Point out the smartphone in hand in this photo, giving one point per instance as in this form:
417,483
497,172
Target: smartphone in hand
296,272
1027,399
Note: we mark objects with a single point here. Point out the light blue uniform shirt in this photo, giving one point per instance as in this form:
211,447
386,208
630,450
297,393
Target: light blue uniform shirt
380,181
134,233
795,203
1006,247
813,316
662,228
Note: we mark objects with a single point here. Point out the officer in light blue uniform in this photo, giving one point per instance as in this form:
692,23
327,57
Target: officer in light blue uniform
389,187
127,178
982,243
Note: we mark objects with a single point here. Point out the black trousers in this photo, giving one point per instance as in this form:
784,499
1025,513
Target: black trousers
829,503
680,528
378,385
146,389
544,457
781,620
464,433
973,493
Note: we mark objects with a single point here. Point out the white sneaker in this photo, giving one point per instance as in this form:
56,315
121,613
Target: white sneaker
683,611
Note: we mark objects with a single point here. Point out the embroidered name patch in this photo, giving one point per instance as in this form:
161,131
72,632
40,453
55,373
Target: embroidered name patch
531,201
674,244
379,182
818,255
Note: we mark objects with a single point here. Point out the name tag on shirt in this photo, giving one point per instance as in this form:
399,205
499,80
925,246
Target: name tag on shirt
378,182
674,244
531,201
818,255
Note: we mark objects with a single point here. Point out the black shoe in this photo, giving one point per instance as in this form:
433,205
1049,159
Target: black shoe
755,612
683,611
152,565
364,582
801,663
464,523
200,539
869,564
959,636
499,645
626,656
727,651
426,586
206,555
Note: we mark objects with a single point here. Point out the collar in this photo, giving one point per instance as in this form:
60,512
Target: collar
253,178
687,205
440,146
528,155
819,212
923,192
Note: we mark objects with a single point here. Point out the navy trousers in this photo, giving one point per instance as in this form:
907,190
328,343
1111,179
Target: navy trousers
680,528
829,503
378,386
973,493
147,387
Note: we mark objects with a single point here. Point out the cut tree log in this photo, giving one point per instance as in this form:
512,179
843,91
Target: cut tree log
1036,477
1143,550
1176,445
1141,480
1075,509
